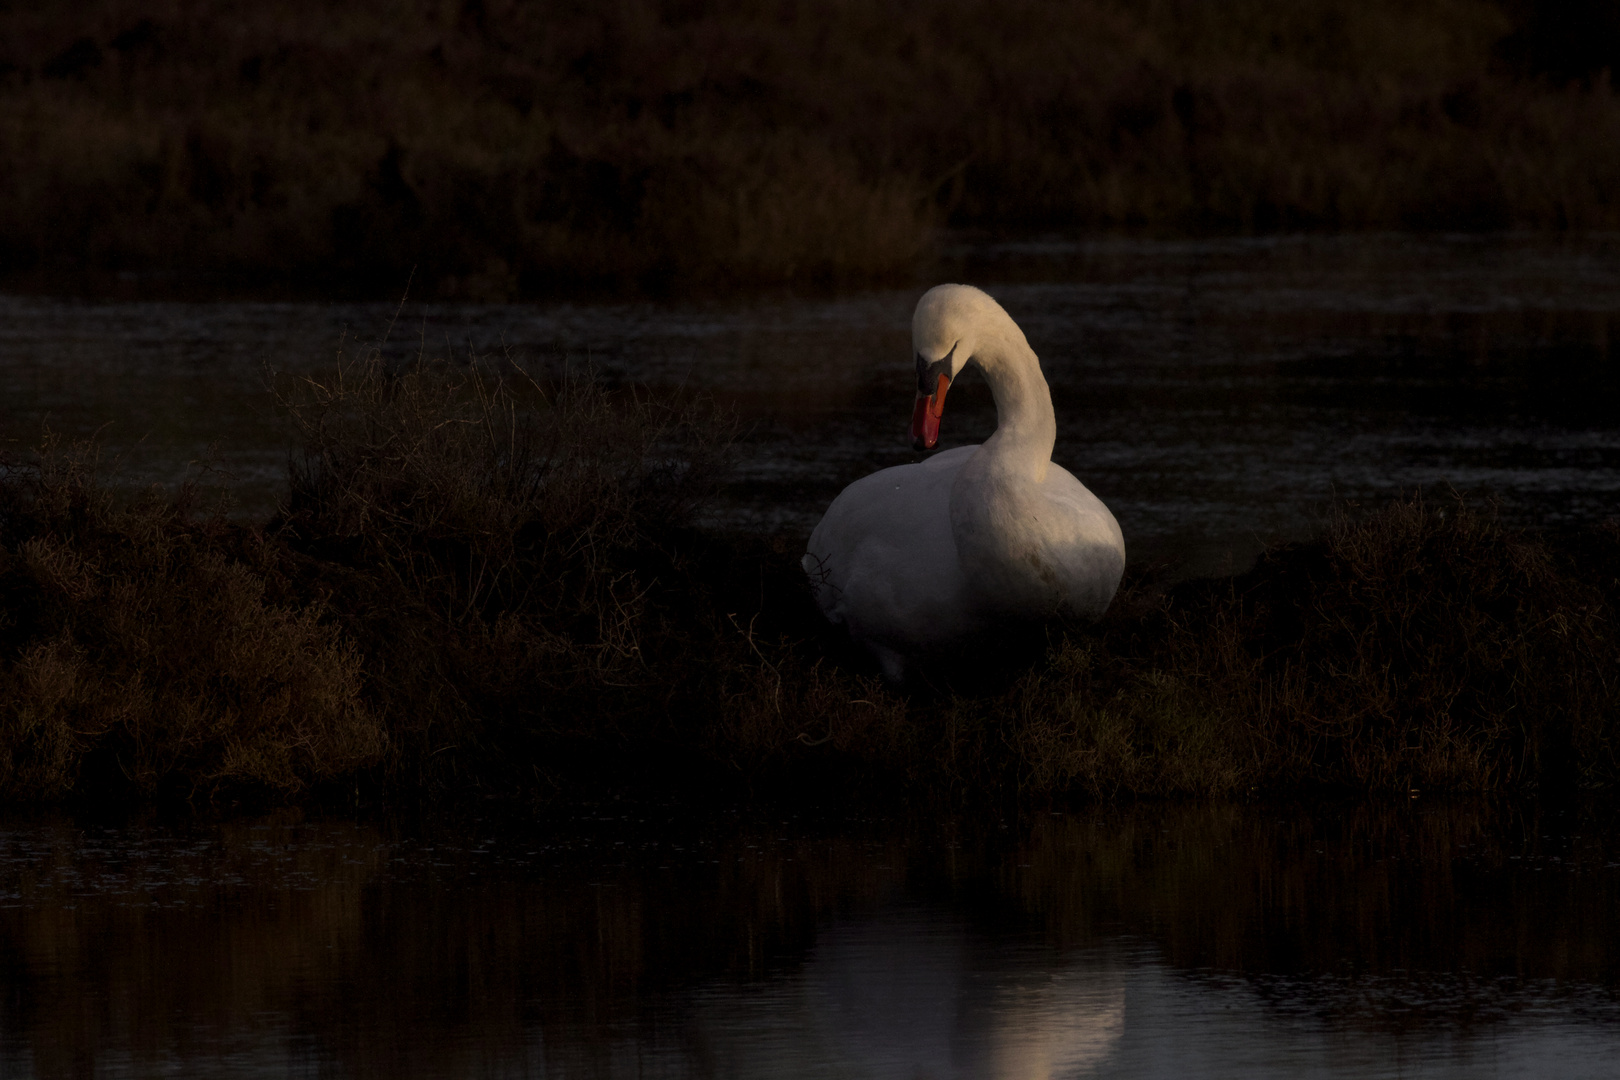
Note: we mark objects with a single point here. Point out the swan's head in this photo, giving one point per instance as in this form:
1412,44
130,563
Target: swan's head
946,330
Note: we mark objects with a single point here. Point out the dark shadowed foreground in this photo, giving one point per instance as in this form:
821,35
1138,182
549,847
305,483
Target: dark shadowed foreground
508,149
482,583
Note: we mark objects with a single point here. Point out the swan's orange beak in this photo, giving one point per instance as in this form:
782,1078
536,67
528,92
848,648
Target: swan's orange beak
925,417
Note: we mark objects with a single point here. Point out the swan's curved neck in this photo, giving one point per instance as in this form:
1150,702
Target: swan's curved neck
1026,428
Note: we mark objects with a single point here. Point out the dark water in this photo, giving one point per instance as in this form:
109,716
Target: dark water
1367,941
1216,394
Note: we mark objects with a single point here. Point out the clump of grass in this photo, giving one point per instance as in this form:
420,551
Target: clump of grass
508,555
145,646
473,576
1432,645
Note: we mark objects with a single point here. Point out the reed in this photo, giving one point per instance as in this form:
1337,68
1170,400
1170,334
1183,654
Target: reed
505,149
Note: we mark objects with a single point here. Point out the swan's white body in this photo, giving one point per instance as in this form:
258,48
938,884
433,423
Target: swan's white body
925,558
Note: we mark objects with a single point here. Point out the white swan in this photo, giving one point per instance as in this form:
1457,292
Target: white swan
923,559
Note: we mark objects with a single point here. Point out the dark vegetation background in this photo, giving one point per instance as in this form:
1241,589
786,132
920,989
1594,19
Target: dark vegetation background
512,148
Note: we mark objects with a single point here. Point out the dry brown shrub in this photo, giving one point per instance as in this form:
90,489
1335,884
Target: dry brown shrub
507,553
1425,645
149,638
779,705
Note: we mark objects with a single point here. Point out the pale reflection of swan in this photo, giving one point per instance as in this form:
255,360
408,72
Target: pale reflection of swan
910,996
936,554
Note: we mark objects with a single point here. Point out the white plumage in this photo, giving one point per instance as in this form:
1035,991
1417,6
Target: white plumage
928,558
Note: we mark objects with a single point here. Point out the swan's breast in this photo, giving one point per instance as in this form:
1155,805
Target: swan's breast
1036,549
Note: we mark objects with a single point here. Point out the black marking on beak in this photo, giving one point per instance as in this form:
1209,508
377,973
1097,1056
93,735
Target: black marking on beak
929,371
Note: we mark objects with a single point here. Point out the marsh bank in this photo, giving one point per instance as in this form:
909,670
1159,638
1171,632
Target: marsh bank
437,607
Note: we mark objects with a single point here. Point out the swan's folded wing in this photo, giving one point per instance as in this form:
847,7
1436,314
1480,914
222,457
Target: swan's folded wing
883,562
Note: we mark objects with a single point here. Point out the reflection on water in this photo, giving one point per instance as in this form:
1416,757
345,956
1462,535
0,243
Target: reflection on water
1455,940
1215,393
913,993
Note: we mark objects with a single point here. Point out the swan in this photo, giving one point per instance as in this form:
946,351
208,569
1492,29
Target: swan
923,560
